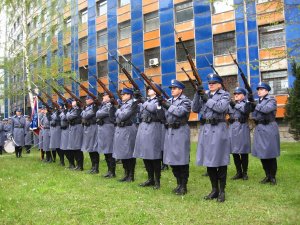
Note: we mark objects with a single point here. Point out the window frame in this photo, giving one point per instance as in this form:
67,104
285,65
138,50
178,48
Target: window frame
120,29
180,10
180,51
83,15
99,5
104,31
120,4
151,53
150,20
265,36
80,48
230,49
100,74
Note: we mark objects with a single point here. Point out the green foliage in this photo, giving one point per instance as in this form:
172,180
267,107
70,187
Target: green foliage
33,192
292,108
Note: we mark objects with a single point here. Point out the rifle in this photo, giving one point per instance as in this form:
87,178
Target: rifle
189,58
247,86
48,96
111,95
72,95
95,98
43,102
60,95
124,84
115,86
134,84
147,80
216,72
190,79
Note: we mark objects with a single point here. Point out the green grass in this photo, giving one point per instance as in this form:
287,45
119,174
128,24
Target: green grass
32,192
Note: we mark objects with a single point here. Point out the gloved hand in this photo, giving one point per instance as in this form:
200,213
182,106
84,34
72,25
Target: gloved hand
166,104
137,94
200,90
253,105
204,97
232,103
160,100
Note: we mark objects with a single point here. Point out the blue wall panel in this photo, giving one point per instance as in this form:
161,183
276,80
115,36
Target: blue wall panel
74,43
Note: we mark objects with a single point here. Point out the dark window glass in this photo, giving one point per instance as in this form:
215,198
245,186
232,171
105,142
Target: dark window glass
277,80
67,50
83,73
83,45
184,12
271,36
124,30
151,54
224,43
102,68
180,53
125,64
101,38
151,21
101,8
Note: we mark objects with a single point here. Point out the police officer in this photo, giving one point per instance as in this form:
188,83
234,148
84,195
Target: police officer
213,150
125,134
105,133
2,136
90,133
55,135
45,122
18,132
177,137
64,139
266,140
239,132
28,135
40,117
148,139
75,135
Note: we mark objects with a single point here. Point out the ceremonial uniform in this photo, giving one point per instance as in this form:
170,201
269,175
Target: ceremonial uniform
148,141
45,122
125,135
90,135
239,133
105,135
2,136
55,136
18,133
213,149
266,140
28,136
75,136
40,146
177,137
64,139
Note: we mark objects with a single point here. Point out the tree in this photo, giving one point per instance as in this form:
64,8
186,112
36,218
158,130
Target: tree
292,108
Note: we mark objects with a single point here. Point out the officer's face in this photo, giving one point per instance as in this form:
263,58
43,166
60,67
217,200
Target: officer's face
239,97
89,101
175,91
262,92
106,98
74,103
151,93
126,97
214,86
18,113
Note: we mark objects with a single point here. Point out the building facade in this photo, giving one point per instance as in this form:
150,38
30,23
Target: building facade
261,35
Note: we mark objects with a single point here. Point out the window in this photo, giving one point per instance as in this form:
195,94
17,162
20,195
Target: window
151,21
180,53
262,1
83,15
277,80
123,2
83,45
125,64
68,22
124,30
184,12
224,43
67,51
230,82
219,6
83,73
151,54
101,38
101,8
271,36
102,68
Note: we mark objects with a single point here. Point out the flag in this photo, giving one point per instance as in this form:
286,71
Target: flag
34,125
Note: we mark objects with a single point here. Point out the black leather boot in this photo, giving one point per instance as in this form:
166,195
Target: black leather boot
175,190
238,166
213,194
213,176
147,183
131,170
156,183
183,188
96,169
126,170
222,174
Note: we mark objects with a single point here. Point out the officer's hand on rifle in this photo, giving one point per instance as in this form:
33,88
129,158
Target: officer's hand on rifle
204,97
137,94
232,103
200,90
162,102
253,105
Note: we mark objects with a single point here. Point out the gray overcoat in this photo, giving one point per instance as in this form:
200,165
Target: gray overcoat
28,134
64,125
18,130
76,129
2,134
41,115
239,132
125,133
177,140
46,131
149,134
266,140
55,131
89,129
35,139
106,129
213,149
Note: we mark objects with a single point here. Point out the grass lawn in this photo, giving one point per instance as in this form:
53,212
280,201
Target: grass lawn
32,192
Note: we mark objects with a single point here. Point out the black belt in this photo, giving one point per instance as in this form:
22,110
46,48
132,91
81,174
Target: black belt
175,125
18,127
150,119
87,124
46,128
74,123
264,122
124,124
212,121
64,127
240,120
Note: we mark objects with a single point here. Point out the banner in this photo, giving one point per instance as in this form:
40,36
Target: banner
34,125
